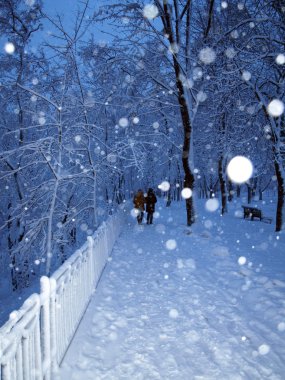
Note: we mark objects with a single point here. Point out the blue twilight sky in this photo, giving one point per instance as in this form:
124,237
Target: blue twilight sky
67,10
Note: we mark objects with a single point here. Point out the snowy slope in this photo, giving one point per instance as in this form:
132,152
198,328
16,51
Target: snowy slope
211,308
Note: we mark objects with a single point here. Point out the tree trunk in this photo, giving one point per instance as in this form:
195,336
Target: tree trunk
230,197
222,186
14,279
188,175
249,194
254,187
238,191
189,183
280,200
184,110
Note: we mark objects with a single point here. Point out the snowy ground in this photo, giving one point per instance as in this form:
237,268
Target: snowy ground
211,308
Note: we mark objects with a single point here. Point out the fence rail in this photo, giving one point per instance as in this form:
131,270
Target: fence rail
35,339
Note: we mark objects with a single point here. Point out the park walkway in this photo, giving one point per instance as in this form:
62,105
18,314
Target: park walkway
176,304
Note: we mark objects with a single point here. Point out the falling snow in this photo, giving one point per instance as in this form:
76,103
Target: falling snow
281,326
9,48
150,11
280,59
263,349
239,169
112,158
171,244
164,186
230,53
242,260
42,120
173,48
30,3
197,73
212,204
207,55
173,313
186,193
123,122
275,108
246,75
201,96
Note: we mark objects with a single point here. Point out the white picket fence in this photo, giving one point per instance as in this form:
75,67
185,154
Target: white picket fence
35,339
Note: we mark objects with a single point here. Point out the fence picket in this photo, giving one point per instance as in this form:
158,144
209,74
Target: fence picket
35,339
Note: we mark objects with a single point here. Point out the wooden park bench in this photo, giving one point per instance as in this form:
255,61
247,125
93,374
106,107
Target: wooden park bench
253,212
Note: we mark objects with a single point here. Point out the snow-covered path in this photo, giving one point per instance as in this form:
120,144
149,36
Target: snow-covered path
211,308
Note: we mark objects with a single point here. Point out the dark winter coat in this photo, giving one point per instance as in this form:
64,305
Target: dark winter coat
150,201
139,201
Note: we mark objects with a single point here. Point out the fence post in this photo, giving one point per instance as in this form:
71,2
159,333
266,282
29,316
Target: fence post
54,364
91,261
45,329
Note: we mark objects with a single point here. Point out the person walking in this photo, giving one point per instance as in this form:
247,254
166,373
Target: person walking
150,205
139,201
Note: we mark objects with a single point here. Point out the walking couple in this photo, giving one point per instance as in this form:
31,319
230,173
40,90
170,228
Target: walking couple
147,204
